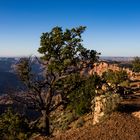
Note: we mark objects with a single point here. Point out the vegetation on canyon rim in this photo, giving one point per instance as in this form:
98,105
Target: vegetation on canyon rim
64,62
136,64
63,58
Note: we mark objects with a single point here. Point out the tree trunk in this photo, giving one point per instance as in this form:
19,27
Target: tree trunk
45,123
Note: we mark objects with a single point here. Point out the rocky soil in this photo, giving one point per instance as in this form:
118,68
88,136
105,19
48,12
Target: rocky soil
121,125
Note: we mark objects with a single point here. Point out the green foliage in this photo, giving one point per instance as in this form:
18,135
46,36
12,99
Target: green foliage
23,69
63,58
136,64
64,120
62,49
115,77
13,126
80,98
118,81
112,102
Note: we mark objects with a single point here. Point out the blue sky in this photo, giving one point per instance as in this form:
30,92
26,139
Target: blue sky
113,26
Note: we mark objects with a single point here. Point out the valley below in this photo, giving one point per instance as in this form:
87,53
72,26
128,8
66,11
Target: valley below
121,124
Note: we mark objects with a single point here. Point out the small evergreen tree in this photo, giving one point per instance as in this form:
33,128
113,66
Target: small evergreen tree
13,126
63,58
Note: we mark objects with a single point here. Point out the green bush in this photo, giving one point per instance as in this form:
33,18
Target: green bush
66,120
80,99
118,81
13,126
115,77
136,64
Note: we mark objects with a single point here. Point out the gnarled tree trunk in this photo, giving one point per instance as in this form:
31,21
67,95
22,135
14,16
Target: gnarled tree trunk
45,123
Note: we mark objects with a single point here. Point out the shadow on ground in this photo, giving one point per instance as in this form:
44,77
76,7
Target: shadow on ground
129,108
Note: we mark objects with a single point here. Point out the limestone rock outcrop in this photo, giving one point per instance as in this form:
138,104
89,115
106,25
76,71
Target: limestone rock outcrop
103,105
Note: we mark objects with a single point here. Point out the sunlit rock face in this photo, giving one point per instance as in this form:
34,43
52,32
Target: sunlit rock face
103,105
136,114
102,67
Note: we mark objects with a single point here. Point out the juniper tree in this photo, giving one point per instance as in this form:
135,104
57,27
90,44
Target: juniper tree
63,57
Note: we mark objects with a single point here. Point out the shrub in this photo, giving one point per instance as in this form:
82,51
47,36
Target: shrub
118,81
80,99
66,119
136,64
13,126
115,77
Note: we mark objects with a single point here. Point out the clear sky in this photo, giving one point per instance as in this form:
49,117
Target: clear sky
113,26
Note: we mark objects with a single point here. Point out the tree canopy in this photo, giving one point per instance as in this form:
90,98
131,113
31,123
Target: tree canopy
63,58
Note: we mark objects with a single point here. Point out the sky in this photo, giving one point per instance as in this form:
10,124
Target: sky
113,26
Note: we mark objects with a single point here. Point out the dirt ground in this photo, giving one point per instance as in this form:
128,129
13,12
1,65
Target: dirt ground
119,126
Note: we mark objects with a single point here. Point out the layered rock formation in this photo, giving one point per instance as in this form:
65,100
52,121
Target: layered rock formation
103,66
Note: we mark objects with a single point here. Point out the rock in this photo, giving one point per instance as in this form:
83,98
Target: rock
103,105
136,114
